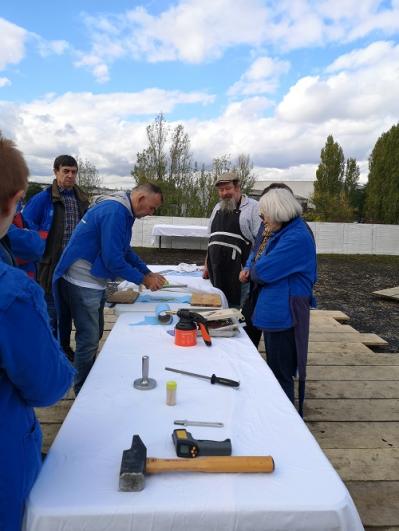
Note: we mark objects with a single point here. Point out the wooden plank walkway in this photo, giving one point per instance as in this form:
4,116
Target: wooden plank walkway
352,409
390,293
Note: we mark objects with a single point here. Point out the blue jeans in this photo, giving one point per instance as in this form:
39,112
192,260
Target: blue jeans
60,321
86,306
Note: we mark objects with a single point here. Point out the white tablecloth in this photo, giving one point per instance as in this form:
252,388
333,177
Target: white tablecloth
78,486
180,230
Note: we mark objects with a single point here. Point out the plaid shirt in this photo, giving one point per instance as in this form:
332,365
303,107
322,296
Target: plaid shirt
71,214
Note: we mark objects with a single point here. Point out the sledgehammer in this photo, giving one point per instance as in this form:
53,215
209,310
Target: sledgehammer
135,464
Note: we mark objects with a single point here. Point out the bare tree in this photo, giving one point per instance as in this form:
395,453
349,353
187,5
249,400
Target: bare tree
88,177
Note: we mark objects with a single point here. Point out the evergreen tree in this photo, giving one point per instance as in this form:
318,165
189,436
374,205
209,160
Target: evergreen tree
330,198
382,190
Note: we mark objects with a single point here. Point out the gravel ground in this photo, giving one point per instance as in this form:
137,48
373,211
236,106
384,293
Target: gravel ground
345,282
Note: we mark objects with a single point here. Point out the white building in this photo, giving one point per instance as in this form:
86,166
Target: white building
302,189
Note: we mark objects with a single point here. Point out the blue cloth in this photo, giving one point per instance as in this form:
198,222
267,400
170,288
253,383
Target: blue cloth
33,372
287,269
26,244
86,306
39,211
103,238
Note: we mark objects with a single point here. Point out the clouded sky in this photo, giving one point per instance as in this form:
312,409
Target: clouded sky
267,78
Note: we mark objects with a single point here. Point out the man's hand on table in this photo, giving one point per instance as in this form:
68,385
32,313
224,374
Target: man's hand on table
205,273
154,281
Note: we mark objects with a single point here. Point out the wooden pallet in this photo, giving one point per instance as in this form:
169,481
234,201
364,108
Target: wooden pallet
390,293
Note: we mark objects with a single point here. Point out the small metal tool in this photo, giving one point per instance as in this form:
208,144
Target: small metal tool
144,383
199,423
213,379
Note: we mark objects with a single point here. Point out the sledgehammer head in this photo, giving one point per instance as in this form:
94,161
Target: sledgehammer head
131,477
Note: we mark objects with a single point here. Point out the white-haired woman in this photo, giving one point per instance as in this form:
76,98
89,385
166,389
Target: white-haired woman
286,272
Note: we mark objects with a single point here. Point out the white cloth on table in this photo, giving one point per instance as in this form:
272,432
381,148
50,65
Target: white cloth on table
78,486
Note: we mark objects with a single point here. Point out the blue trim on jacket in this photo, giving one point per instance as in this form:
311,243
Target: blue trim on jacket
287,269
33,372
103,237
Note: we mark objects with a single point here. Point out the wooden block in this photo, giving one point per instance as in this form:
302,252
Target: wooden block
361,372
206,299
356,434
390,293
54,414
347,337
335,314
352,358
341,347
336,328
353,389
354,464
49,434
123,297
351,410
377,503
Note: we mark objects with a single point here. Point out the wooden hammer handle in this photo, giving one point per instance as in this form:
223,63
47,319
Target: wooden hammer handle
245,464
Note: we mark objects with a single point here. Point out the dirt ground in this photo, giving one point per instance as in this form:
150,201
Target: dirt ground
344,283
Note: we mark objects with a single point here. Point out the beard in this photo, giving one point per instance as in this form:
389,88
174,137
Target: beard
228,205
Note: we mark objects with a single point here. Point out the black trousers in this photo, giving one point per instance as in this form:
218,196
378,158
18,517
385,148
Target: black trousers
247,310
282,359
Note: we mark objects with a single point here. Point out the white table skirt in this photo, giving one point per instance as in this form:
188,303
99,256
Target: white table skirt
78,486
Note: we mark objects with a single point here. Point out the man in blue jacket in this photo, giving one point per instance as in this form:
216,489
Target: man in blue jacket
33,369
99,250
55,212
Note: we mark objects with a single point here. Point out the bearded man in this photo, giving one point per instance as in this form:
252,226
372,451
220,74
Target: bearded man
232,226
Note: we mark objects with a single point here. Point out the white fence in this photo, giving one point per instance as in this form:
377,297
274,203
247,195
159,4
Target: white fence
334,238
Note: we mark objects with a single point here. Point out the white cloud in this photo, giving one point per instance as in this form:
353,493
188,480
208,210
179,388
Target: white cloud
108,129
261,77
354,99
4,81
47,48
12,49
196,31
361,87
190,31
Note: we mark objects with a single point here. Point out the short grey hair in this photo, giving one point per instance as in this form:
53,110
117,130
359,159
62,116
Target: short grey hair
279,205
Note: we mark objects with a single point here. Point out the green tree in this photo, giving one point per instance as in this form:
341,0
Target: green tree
330,196
88,177
33,189
382,190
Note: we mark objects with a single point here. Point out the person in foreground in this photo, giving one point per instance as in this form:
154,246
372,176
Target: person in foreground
286,273
98,251
33,369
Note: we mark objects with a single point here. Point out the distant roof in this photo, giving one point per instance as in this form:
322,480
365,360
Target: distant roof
300,188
